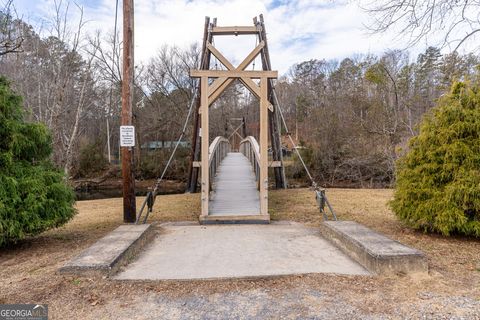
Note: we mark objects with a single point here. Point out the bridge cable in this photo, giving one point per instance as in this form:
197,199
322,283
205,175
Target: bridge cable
110,98
319,192
150,198
214,57
151,195
256,44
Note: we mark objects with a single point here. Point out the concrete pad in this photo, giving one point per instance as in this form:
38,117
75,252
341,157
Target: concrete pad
237,251
106,255
374,251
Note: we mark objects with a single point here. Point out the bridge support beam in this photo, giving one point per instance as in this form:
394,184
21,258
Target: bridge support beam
263,146
205,187
196,149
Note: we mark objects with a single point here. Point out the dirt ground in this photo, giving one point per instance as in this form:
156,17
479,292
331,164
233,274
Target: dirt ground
451,290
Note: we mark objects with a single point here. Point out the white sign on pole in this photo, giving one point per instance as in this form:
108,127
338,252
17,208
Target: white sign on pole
127,136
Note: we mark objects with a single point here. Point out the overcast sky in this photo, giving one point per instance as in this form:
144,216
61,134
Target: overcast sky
297,30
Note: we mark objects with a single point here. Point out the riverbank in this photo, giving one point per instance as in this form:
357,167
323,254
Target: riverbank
112,188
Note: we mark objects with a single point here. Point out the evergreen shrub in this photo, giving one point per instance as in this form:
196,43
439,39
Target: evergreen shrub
33,194
438,179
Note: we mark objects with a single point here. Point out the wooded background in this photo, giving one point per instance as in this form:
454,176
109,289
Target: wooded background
353,116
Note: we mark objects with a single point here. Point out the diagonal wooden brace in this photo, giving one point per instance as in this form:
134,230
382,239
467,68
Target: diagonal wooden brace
222,83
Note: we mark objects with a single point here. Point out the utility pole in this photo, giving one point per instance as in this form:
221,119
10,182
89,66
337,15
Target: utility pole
129,207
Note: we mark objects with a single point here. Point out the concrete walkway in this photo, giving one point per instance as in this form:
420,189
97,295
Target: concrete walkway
235,188
238,251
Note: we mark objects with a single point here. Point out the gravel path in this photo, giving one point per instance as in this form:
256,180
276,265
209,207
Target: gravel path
297,303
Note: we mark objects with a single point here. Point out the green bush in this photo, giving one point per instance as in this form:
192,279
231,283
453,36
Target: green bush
438,180
33,195
152,164
296,170
92,160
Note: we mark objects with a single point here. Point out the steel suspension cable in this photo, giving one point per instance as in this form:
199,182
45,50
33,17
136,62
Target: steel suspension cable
314,184
320,192
151,196
150,199
115,36
114,50
157,184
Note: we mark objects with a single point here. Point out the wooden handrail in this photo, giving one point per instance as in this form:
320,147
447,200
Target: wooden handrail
250,149
255,147
217,150
214,147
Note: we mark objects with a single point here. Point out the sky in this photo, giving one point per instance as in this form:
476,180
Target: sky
296,30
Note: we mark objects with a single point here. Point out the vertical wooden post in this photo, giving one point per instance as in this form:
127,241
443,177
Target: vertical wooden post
274,121
205,145
196,149
263,145
129,206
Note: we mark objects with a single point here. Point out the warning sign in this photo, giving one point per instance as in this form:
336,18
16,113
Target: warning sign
127,136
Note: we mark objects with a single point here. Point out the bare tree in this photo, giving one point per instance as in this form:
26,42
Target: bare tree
73,78
11,37
455,21
106,54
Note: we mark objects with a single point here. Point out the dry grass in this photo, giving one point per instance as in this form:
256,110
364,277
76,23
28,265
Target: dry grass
457,258
28,270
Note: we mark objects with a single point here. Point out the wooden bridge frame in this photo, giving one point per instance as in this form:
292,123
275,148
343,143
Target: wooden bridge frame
211,30
235,136
210,92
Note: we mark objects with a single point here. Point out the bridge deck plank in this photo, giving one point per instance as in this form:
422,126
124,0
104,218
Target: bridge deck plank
235,189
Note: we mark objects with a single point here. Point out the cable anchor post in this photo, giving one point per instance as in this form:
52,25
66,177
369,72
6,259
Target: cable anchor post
320,197
150,201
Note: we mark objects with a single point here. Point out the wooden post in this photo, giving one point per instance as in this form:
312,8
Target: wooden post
129,206
196,150
244,128
263,146
274,123
205,145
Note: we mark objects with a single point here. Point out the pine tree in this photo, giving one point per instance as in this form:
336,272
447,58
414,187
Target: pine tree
33,194
438,180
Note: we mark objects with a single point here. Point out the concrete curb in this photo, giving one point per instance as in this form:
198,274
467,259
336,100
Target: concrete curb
374,251
235,219
108,254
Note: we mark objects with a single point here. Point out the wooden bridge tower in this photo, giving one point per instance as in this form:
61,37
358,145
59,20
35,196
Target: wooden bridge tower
212,84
